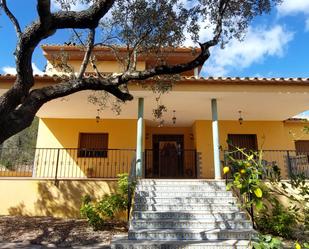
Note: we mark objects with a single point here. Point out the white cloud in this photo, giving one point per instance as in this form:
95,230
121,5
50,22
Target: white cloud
205,34
36,70
291,7
258,44
75,7
9,70
12,70
294,7
304,114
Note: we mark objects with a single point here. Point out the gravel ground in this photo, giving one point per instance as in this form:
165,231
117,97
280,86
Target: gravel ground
51,232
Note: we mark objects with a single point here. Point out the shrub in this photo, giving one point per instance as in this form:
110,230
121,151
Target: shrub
279,221
89,211
267,242
97,212
246,176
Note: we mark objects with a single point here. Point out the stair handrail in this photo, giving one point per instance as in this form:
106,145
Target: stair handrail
131,185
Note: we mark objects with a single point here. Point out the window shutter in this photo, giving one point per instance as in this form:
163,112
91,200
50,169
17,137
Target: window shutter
93,144
302,145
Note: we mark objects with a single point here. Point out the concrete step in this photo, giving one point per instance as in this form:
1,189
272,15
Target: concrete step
122,242
175,194
190,234
184,200
178,182
184,188
186,207
188,224
216,215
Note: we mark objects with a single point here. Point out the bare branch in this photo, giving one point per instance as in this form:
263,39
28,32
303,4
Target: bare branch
168,69
71,86
22,117
114,50
43,8
222,8
86,19
133,54
34,34
179,68
12,18
78,37
89,48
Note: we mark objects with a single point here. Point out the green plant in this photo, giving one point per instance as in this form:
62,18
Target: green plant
246,176
267,242
279,221
306,245
96,212
89,211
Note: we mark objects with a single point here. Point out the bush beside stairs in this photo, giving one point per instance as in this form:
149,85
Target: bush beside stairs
185,214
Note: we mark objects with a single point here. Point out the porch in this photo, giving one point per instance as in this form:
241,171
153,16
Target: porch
206,116
70,163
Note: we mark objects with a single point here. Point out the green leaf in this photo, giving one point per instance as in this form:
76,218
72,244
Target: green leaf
229,186
268,238
259,204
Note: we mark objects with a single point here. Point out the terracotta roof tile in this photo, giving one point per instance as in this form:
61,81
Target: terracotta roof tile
236,80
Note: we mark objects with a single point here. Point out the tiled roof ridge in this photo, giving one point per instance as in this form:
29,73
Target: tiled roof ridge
118,46
191,78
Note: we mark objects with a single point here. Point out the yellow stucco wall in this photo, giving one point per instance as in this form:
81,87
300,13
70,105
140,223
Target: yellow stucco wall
44,198
102,66
64,133
271,135
203,142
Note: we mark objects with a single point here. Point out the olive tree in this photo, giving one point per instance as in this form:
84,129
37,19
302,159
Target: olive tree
140,26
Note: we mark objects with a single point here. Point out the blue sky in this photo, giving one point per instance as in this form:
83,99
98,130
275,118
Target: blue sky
276,45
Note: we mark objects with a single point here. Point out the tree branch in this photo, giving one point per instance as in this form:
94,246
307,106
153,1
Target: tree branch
89,48
86,19
179,68
45,94
22,117
12,18
34,34
43,8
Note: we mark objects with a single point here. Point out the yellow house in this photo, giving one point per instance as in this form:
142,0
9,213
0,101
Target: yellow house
84,149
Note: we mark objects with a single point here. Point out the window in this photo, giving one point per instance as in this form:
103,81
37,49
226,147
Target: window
246,141
243,141
302,146
93,145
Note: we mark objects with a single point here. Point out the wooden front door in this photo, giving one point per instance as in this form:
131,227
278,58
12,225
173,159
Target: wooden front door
168,156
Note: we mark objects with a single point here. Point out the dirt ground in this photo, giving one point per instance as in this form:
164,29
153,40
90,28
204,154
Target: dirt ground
60,232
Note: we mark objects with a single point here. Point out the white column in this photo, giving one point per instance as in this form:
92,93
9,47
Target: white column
196,74
140,138
215,138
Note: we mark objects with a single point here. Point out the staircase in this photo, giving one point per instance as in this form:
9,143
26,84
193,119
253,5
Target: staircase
185,214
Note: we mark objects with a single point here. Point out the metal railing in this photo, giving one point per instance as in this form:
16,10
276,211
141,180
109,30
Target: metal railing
131,189
180,163
58,163
285,162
